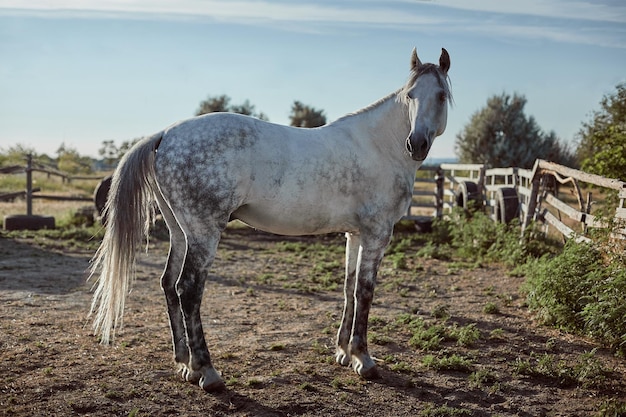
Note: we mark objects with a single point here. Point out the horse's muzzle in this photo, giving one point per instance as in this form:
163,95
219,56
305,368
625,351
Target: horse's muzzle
418,146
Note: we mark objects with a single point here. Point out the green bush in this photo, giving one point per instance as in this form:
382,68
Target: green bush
580,290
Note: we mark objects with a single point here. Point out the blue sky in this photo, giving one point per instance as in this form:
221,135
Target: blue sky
83,71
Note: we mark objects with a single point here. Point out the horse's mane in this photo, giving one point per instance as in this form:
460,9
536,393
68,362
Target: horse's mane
402,93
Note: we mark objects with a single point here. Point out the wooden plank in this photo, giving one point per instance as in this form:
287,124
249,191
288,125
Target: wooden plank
500,171
462,167
62,198
423,205
561,206
523,191
418,193
620,213
12,169
614,184
563,229
425,180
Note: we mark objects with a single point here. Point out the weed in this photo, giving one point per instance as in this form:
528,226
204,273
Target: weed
254,383
441,311
478,379
443,411
587,371
401,366
612,408
453,362
491,308
306,386
497,334
465,335
378,339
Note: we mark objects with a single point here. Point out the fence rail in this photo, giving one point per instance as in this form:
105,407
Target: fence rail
526,194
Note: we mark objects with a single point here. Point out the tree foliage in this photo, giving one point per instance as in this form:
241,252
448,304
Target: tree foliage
602,140
70,161
306,116
111,153
216,104
501,135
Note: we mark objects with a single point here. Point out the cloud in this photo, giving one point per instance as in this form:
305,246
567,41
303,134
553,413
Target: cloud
578,22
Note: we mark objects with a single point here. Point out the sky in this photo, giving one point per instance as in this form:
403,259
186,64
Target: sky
80,72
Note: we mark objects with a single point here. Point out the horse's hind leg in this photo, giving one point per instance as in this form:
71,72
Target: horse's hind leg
200,255
342,356
173,269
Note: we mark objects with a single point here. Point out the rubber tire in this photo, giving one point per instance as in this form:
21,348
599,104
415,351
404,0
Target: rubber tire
25,222
100,196
467,196
507,205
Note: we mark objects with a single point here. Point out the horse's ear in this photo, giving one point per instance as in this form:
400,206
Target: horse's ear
444,61
415,61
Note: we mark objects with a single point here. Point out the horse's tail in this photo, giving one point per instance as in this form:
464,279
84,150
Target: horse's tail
129,211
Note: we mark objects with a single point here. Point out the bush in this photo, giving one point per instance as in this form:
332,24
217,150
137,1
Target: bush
477,238
580,290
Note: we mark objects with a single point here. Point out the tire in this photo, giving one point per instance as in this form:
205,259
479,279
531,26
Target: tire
100,196
507,205
25,222
468,197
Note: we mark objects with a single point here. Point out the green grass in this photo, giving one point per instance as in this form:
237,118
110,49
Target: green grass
453,362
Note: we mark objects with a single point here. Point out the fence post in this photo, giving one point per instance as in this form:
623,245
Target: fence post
439,181
29,185
532,200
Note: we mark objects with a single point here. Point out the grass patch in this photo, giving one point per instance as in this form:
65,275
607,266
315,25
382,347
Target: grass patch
453,362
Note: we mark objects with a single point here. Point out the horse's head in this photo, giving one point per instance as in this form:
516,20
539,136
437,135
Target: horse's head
427,94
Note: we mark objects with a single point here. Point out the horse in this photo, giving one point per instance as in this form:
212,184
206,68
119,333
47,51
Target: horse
354,175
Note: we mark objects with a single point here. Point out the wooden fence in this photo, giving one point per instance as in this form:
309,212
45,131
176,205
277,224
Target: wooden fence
29,192
549,193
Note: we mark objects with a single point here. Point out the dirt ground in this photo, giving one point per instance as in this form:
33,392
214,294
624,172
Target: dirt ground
271,310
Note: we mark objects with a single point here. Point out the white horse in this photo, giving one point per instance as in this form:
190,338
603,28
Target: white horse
354,175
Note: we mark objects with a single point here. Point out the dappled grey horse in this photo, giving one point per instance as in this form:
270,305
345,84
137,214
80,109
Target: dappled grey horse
354,175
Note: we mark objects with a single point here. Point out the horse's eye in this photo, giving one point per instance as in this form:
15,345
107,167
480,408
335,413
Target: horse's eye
443,97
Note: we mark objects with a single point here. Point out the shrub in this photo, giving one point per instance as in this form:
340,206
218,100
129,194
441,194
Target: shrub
580,290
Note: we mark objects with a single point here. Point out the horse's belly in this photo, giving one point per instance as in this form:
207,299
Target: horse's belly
295,221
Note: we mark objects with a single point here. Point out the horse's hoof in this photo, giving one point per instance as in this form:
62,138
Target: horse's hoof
369,374
366,368
342,358
211,381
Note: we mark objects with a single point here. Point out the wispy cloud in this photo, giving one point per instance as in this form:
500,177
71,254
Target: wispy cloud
597,10
582,22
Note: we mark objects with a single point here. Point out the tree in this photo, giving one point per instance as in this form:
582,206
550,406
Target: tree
602,140
222,104
69,160
306,116
111,153
501,135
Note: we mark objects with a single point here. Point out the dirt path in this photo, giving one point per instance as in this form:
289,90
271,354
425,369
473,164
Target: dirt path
271,312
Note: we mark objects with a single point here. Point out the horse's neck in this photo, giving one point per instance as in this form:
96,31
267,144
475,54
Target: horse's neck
385,123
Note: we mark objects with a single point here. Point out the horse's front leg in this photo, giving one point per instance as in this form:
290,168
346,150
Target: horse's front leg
370,255
342,356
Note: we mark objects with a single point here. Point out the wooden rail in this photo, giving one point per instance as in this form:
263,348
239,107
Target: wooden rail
527,194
